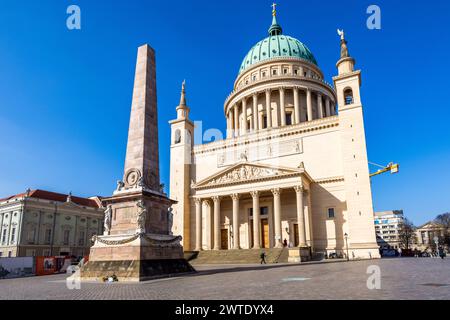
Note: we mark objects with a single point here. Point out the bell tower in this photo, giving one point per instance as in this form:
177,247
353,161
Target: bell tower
182,134
360,225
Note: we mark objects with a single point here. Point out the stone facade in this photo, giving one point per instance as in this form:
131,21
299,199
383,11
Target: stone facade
292,170
42,223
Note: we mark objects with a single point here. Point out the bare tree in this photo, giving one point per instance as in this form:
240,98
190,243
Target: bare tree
444,221
407,234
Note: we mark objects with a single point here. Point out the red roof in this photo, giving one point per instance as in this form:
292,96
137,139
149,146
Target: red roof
53,196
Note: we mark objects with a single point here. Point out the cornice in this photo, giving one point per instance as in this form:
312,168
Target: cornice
329,180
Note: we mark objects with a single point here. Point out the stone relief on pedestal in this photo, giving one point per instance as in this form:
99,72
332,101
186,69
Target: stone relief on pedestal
141,216
170,220
107,221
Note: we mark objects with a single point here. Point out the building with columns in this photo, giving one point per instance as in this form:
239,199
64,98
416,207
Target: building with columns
44,223
293,167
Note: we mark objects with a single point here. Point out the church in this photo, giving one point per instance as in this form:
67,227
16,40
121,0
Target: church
293,169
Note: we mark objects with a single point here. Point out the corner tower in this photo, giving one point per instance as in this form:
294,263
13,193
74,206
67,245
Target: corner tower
182,132
361,233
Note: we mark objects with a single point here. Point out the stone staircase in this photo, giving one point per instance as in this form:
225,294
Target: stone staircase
245,256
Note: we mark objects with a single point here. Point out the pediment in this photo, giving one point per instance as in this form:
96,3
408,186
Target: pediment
245,173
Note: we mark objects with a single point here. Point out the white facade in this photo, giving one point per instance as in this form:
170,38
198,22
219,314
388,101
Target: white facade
293,168
387,228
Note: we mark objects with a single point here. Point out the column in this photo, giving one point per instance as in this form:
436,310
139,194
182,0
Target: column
216,223
228,124
255,112
309,105
296,106
301,216
282,108
277,216
198,224
319,106
236,120
327,106
256,221
268,109
244,113
235,198
207,235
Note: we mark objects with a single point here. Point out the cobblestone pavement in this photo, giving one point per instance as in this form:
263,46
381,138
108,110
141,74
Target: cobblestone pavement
401,278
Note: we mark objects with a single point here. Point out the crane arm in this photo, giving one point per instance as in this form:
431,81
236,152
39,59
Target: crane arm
392,167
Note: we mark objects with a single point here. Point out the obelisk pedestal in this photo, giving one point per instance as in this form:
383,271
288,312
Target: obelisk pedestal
137,244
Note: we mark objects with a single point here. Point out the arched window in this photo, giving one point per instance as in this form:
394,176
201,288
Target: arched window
348,96
177,136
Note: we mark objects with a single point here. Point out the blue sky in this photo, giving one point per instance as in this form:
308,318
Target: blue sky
65,96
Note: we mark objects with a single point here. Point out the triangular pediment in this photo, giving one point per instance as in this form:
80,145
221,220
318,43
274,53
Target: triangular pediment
245,173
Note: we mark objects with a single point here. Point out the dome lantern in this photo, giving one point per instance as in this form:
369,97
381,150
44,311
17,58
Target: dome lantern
275,29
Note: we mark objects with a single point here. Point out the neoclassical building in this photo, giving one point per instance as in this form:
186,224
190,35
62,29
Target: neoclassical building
293,167
44,223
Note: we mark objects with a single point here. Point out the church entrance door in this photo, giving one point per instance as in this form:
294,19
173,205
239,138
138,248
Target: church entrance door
265,233
224,239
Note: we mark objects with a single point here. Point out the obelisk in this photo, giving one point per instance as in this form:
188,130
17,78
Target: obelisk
137,244
142,157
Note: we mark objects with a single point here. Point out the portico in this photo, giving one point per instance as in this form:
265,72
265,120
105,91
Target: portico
254,206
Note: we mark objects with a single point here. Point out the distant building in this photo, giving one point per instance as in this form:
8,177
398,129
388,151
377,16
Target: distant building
387,228
43,223
426,234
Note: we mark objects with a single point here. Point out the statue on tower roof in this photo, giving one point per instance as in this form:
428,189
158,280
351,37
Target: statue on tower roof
344,48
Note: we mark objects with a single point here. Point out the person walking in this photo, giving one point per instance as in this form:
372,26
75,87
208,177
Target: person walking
441,252
263,257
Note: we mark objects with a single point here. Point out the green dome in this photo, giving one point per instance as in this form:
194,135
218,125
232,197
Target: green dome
276,45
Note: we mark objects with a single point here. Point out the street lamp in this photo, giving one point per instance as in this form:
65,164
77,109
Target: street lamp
346,245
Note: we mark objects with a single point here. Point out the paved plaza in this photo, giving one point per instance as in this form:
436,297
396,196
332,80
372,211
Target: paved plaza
401,278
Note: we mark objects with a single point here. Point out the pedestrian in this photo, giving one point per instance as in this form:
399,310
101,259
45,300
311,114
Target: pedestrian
285,243
263,257
441,253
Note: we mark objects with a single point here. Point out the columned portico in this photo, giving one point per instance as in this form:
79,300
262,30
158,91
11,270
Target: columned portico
198,224
208,219
251,208
301,216
256,220
235,198
277,216
217,239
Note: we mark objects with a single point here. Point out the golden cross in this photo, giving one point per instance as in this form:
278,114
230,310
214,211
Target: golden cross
274,7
